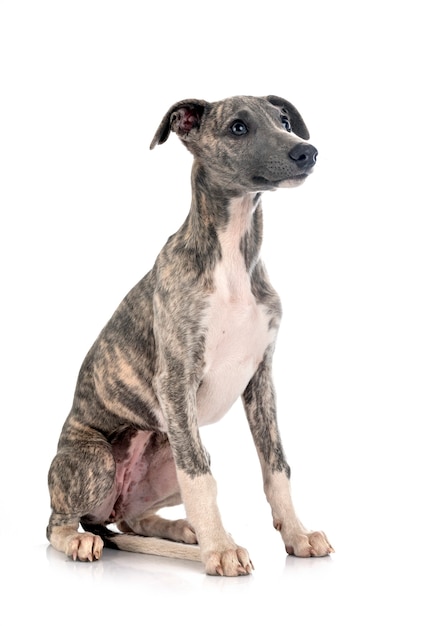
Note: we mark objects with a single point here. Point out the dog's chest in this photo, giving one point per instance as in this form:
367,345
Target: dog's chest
237,336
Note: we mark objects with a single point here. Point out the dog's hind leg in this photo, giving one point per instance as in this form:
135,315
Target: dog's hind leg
65,537
81,479
156,526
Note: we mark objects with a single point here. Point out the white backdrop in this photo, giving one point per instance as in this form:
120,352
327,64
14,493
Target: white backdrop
86,206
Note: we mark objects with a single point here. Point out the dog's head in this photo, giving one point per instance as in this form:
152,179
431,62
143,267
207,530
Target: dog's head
245,143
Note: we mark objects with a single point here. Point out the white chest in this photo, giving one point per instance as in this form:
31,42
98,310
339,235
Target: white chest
237,337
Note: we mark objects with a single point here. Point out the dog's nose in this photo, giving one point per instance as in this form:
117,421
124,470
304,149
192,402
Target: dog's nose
304,154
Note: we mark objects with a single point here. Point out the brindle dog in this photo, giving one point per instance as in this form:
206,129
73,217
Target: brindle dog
193,335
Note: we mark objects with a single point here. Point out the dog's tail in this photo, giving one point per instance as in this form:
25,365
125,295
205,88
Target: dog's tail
130,542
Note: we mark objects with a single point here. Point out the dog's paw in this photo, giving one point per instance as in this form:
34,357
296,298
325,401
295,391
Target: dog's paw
232,562
183,532
84,547
308,544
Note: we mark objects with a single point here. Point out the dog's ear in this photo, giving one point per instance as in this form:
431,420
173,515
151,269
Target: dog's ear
183,118
297,124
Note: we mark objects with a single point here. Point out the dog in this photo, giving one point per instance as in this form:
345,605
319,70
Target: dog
194,335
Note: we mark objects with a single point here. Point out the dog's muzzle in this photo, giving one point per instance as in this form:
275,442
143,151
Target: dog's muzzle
304,155
284,169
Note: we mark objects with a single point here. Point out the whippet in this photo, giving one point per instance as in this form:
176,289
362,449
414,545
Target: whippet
197,332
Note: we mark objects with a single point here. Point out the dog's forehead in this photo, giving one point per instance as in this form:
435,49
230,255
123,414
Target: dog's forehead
239,106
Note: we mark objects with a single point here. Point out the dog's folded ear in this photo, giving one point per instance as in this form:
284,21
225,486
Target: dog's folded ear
298,126
183,118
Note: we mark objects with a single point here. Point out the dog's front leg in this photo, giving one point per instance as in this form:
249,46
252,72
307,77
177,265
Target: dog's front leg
219,553
260,405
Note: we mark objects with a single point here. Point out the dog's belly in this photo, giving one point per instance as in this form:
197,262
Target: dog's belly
237,338
145,476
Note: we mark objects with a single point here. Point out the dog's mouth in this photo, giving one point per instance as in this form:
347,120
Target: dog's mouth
290,181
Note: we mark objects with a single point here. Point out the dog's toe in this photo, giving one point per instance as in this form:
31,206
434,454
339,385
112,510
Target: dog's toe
84,547
233,562
188,535
179,530
309,544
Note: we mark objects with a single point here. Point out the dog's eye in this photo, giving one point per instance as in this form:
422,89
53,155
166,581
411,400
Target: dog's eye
239,128
286,123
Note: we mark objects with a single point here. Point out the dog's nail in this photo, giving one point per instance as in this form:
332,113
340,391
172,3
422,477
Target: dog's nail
219,570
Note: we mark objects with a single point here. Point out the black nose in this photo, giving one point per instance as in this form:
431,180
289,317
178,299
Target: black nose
304,154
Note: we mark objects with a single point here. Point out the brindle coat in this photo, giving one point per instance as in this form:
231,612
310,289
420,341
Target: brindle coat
193,335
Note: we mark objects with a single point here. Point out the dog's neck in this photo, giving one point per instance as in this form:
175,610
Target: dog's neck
220,218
